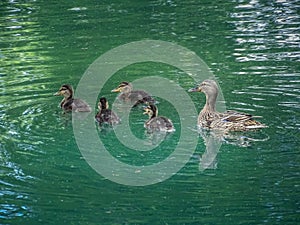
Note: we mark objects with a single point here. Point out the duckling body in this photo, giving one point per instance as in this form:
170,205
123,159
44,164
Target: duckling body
69,103
105,115
230,120
157,123
128,95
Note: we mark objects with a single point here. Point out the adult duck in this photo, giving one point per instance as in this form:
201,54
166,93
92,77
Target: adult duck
228,121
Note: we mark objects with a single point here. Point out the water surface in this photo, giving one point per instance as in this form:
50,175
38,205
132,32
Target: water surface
252,47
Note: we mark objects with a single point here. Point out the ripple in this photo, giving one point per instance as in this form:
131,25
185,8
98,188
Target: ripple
11,169
77,9
11,211
12,178
253,38
295,105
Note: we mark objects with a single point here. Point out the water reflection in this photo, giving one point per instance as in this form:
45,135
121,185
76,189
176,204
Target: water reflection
156,138
208,160
213,139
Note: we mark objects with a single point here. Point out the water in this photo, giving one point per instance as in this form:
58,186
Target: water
252,47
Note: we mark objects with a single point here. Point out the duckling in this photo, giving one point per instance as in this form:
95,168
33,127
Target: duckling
105,115
132,96
69,103
228,121
157,123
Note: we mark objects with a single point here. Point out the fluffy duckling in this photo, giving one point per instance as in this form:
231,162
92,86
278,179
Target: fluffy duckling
105,115
69,103
157,123
227,121
132,96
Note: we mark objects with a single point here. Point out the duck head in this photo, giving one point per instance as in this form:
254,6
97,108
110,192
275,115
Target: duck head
210,89
123,87
65,90
151,110
103,103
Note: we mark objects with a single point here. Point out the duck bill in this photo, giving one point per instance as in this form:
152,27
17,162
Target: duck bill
195,89
57,93
116,90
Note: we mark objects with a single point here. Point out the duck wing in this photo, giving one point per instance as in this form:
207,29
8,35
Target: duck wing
168,123
80,106
236,121
67,105
113,118
235,117
140,96
107,116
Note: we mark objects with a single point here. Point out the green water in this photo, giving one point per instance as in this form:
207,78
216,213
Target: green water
252,47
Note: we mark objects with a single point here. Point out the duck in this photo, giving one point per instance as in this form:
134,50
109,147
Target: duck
227,121
69,103
106,115
128,95
155,122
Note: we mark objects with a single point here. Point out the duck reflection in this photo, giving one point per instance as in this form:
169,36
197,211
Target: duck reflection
213,139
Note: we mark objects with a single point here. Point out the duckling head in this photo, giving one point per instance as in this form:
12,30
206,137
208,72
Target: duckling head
65,90
123,87
151,110
103,103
